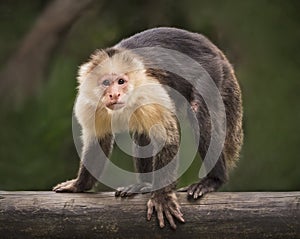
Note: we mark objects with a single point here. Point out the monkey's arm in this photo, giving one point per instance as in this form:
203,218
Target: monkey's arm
164,199
91,165
143,161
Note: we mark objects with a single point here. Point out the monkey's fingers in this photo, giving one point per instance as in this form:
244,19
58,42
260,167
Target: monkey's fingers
169,213
63,190
165,206
59,189
124,191
192,189
159,211
199,189
133,189
65,187
170,218
137,188
160,215
150,206
177,214
174,208
118,192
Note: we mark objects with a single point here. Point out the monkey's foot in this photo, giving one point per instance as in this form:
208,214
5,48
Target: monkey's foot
67,187
197,190
133,189
165,204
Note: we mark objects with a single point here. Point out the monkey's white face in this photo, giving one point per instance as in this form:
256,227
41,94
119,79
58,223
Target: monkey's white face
108,81
115,90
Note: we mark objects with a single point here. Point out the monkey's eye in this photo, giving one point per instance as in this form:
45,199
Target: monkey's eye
121,81
106,82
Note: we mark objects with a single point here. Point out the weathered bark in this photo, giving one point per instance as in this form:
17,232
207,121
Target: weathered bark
25,70
101,215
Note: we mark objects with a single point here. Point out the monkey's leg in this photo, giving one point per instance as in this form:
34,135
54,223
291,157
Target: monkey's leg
218,175
143,165
85,179
164,199
214,179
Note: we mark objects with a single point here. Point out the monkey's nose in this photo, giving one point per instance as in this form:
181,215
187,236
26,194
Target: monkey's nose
114,96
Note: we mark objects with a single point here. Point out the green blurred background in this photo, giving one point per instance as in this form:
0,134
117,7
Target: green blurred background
261,38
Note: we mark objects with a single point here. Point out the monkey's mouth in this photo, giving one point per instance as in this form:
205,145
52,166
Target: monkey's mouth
115,105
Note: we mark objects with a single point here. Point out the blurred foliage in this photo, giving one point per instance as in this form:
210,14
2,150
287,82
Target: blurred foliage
260,37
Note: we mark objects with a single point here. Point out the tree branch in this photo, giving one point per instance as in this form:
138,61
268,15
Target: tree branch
101,215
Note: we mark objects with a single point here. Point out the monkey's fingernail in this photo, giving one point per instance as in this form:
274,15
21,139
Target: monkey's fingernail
195,195
162,225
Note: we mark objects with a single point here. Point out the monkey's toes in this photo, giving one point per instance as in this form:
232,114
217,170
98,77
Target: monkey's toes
206,185
165,205
66,187
133,189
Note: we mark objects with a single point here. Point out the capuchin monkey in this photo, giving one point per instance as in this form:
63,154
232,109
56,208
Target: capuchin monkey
118,79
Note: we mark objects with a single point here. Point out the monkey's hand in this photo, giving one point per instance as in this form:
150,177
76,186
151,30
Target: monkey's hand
165,203
68,187
133,189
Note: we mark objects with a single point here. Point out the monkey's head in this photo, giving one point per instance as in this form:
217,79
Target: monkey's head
109,78
114,82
